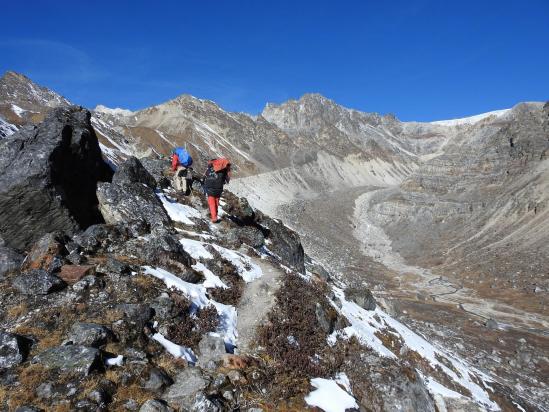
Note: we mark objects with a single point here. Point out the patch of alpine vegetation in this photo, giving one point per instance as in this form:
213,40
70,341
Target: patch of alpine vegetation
294,338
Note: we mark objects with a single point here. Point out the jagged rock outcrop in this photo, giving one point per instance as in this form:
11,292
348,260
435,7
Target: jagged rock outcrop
131,196
124,276
10,260
286,243
48,178
157,168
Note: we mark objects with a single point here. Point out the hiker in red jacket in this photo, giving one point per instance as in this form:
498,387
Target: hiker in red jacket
217,174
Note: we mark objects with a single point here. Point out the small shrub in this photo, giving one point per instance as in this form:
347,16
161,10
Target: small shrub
229,275
306,354
187,329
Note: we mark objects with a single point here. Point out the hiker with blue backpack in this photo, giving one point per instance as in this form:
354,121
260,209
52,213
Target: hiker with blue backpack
181,165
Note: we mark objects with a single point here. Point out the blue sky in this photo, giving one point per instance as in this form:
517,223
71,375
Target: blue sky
421,60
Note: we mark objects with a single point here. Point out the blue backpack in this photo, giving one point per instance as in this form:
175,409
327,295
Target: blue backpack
185,158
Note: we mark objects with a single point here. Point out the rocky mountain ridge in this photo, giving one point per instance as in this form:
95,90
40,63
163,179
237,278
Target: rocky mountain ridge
446,223
140,312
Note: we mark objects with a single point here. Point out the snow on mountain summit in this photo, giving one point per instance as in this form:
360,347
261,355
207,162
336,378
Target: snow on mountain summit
472,119
115,112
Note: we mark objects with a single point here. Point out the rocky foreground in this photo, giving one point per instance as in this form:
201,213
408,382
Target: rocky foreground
118,294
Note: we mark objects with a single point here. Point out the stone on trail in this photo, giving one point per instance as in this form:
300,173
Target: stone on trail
211,351
123,203
131,195
37,282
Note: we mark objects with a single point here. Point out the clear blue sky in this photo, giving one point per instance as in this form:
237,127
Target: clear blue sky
421,60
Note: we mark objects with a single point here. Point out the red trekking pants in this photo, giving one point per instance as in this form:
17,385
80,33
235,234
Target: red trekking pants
213,203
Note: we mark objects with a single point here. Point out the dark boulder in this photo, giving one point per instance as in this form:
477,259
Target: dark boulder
284,243
48,178
362,297
251,235
13,350
157,168
37,282
71,358
133,171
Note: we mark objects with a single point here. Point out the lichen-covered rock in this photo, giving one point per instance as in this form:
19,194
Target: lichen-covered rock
160,248
88,334
71,358
382,385
12,350
98,238
135,316
133,171
48,177
157,169
124,203
37,282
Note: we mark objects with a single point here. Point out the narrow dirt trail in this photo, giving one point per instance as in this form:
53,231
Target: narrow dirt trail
256,302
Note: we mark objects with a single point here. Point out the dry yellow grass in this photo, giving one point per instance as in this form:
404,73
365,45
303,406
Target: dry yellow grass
29,377
16,311
46,338
170,364
125,393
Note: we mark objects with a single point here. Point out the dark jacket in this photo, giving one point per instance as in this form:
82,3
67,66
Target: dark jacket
214,181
